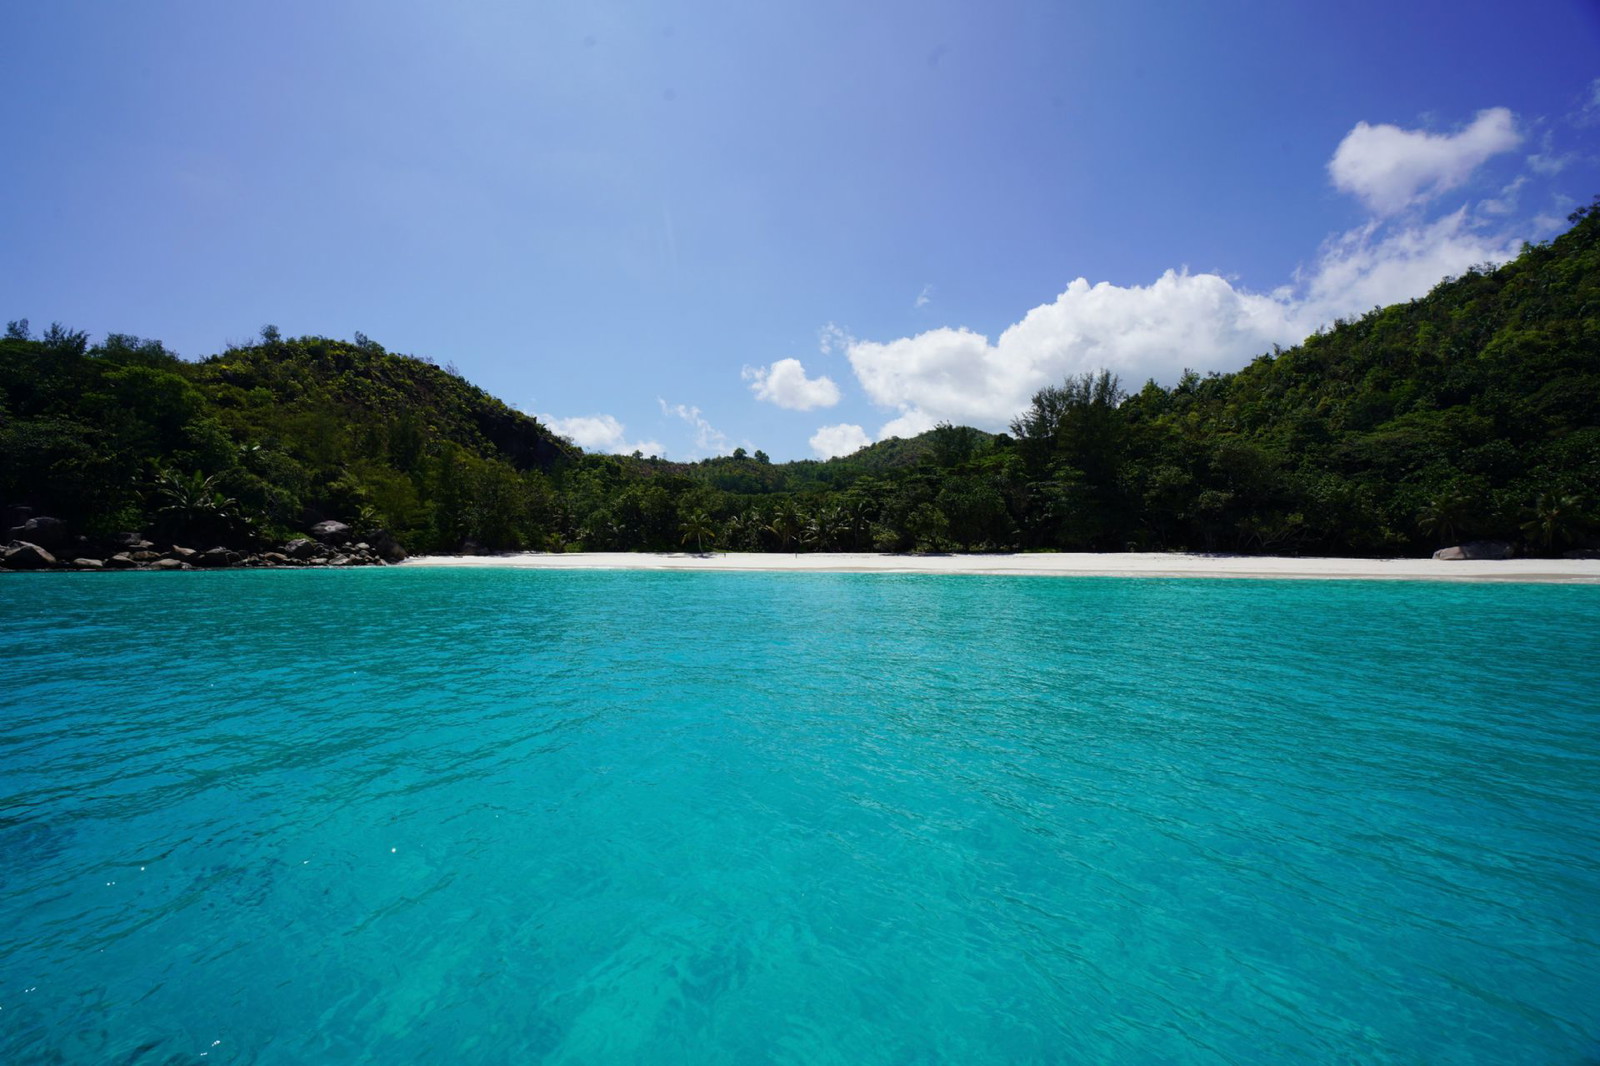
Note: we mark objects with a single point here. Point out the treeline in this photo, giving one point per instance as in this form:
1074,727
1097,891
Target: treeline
1471,413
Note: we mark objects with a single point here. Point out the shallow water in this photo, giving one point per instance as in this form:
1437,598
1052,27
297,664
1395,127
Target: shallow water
519,816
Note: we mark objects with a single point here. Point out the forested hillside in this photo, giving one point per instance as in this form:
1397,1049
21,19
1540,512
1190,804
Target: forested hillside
1471,413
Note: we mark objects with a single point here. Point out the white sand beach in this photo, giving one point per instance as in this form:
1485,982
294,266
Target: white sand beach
1051,564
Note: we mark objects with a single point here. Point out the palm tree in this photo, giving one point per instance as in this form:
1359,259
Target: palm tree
823,529
194,503
1447,514
786,522
699,526
736,532
1553,519
857,518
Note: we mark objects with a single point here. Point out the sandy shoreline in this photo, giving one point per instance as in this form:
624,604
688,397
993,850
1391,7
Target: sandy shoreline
1055,564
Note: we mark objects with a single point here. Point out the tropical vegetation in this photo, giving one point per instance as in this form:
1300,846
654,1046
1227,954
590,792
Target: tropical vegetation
1473,412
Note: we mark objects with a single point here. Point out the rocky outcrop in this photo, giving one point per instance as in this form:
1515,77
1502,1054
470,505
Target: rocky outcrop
23,555
302,548
387,548
44,531
334,545
1478,549
331,532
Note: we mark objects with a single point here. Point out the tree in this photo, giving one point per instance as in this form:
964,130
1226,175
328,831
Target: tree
785,523
953,445
1448,514
822,532
193,504
699,526
1553,520
59,340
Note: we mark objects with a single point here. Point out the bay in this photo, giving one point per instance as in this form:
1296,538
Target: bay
518,816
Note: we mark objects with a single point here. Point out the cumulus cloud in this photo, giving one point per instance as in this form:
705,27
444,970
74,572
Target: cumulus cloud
1206,321
1391,169
600,433
829,441
1138,332
785,384
1367,267
707,438
1156,330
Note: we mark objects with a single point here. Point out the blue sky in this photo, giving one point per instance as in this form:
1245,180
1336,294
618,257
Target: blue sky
790,226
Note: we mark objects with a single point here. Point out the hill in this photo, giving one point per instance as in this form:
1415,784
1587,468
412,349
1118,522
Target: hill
1469,413
282,433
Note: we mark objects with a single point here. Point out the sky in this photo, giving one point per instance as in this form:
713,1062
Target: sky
685,228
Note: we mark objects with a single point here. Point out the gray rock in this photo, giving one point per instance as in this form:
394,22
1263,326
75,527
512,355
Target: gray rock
187,555
1477,549
216,558
170,564
302,548
132,542
121,561
386,547
331,532
276,559
24,555
144,556
87,564
44,531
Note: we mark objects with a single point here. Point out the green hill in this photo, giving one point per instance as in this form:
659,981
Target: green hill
289,431
1471,413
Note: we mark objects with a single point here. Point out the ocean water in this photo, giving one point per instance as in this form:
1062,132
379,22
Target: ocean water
440,816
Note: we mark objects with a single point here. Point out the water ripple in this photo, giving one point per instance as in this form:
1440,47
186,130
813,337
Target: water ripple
578,817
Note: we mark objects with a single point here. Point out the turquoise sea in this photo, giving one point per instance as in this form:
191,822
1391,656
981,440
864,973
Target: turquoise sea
498,816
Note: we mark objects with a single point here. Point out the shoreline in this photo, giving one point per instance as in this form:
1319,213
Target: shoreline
1051,564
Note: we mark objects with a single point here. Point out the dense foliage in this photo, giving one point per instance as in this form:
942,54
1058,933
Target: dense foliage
1474,412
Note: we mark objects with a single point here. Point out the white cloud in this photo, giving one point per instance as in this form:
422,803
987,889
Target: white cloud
600,433
1156,331
1179,320
1206,321
1367,268
831,338
925,297
1589,112
1391,169
707,438
785,384
1506,202
910,424
1547,161
829,441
